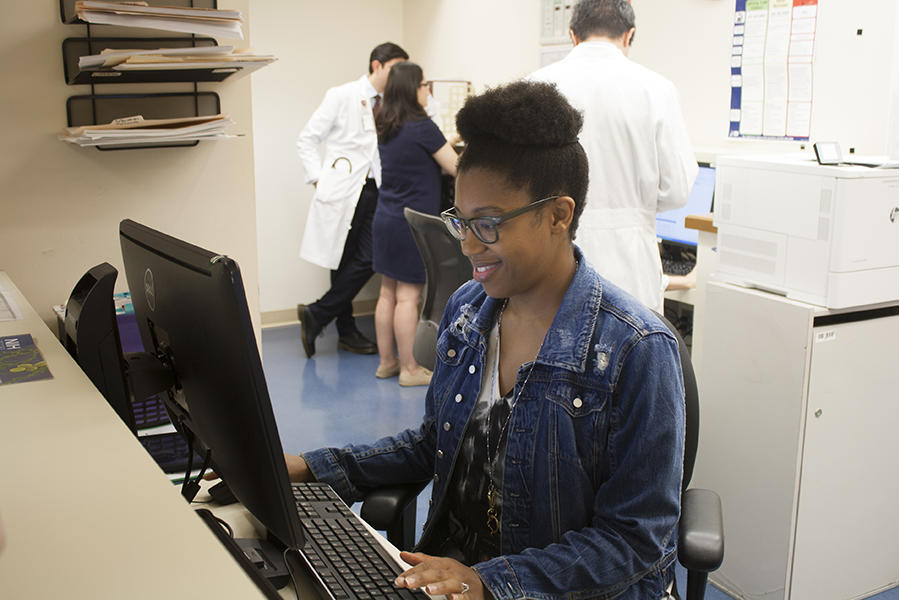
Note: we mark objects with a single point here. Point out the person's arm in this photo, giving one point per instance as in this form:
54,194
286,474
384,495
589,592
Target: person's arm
447,158
681,282
317,129
431,140
297,469
677,161
351,470
636,508
403,458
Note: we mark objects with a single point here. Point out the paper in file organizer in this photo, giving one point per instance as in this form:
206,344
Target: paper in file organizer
204,21
137,130
112,57
206,57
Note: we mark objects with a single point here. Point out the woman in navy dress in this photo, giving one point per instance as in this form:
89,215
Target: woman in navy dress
413,151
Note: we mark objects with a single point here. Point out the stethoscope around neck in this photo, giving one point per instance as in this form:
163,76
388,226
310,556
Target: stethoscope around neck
340,158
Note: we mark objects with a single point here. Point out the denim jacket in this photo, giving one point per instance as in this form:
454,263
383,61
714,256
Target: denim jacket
594,454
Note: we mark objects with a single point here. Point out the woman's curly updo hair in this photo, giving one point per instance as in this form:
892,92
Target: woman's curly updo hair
527,133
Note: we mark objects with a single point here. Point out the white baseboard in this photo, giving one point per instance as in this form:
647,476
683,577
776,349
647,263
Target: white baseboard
288,316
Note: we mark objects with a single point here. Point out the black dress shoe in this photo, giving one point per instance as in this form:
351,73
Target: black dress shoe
357,343
309,329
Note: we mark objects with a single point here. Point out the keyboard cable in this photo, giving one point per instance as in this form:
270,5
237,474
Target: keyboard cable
290,571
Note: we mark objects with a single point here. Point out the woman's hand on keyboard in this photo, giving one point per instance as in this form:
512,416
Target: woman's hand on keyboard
438,576
297,469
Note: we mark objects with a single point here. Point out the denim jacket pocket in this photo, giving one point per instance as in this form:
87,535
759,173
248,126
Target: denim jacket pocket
450,348
579,419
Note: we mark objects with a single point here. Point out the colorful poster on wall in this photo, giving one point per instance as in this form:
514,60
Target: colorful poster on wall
772,68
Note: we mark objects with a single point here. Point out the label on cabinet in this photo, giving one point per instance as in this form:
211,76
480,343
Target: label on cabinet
825,336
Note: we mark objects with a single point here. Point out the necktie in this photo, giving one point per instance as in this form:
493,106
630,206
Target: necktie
376,105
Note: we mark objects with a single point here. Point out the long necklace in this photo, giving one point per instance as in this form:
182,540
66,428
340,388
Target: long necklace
492,511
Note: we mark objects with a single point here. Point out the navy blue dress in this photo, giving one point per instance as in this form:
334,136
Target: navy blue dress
409,177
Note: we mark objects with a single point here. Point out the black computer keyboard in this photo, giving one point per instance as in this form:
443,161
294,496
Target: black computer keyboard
149,413
675,266
342,553
169,450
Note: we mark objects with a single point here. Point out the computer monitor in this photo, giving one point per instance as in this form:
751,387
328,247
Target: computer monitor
670,224
193,316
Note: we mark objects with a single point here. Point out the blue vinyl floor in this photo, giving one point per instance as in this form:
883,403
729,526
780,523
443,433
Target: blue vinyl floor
334,399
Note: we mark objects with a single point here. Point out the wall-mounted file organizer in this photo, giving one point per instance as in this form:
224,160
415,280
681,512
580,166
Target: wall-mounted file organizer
97,109
74,48
67,7
91,109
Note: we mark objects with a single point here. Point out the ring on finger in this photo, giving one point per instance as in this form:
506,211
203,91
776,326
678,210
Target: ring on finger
465,588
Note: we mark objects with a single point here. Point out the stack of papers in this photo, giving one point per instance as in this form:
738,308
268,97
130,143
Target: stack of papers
205,57
205,21
137,130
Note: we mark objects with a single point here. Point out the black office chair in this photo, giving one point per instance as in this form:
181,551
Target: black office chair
701,527
446,268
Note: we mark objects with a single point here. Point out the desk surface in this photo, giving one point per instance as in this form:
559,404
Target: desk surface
86,511
701,222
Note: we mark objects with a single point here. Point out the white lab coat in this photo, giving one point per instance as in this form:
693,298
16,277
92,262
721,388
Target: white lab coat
640,159
344,123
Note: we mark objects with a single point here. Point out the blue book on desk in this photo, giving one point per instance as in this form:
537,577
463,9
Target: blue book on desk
20,360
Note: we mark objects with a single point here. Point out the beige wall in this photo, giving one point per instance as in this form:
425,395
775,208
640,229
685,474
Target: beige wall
689,42
318,45
61,204
487,43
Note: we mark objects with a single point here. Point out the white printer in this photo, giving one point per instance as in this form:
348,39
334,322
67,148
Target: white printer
826,235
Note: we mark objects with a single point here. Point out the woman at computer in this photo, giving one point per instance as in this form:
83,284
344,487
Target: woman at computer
553,430
412,150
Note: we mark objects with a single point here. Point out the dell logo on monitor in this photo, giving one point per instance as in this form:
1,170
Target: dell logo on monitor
149,289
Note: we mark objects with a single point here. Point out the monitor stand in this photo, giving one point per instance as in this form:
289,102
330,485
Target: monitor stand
268,559
264,566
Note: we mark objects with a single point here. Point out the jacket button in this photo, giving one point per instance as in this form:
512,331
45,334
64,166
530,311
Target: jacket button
471,369
577,402
451,353
447,426
458,398
440,454
436,477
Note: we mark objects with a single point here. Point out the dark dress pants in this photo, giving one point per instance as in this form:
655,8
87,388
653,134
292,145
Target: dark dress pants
355,267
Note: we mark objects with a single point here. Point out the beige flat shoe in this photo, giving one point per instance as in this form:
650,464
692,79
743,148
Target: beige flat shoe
384,373
420,377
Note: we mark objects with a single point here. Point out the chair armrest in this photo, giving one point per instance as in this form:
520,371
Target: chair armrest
701,533
383,506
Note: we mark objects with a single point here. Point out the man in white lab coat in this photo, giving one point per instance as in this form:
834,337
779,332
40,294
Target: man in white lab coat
640,157
346,179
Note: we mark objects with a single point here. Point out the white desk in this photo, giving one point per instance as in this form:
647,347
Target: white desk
87,513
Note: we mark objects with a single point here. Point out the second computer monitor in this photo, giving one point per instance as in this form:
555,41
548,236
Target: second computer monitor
670,224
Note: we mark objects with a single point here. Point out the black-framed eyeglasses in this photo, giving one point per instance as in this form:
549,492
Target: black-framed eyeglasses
485,229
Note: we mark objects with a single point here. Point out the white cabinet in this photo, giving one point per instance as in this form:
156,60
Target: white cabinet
800,436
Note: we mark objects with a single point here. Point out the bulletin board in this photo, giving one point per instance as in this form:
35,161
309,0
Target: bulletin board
450,94
772,68
555,18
